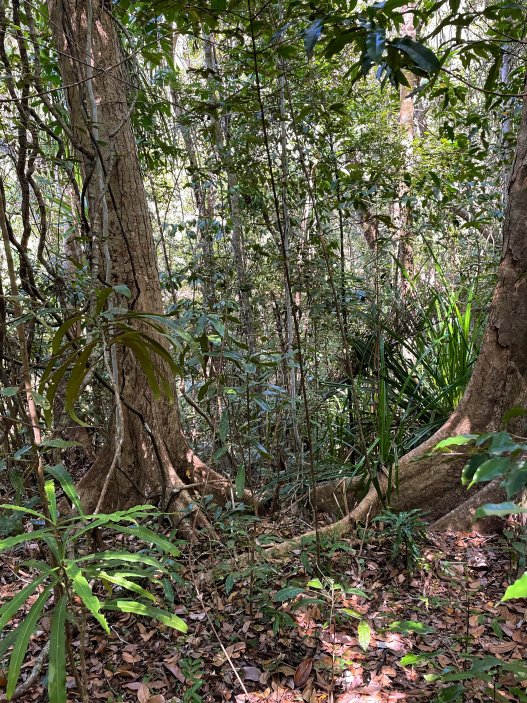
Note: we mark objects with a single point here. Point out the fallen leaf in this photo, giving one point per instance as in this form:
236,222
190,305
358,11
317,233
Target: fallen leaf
143,693
251,673
302,673
175,671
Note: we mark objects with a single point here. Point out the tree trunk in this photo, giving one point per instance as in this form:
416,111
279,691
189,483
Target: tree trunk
403,214
155,459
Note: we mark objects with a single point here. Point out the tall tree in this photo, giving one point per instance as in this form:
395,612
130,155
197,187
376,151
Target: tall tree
149,454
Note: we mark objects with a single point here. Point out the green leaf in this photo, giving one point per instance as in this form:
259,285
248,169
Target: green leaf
22,509
364,634
287,593
77,376
58,443
512,413
9,391
133,606
406,626
83,589
457,441
6,642
491,469
61,475
240,482
413,659
57,654
24,632
352,613
9,542
59,334
111,555
12,606
312,35
121,580
315,583
472,466
49,488
375,44
123,290
502,442
356,592
518,589
147,535
421,55
498,509
223,429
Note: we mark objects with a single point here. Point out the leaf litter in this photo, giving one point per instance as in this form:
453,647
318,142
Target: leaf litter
368,631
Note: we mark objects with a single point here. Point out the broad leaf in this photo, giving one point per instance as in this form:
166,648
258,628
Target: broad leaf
10,607
499,510
287,593
147,535
518,589
133,606
375,44
364,634
120,580
312,35
240,482
83,589
491,469
420,55
60,474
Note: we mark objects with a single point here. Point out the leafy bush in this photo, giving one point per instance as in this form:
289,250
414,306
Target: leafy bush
494,455
68,577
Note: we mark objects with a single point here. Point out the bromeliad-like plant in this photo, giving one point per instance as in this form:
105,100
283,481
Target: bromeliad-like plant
405,530
67,583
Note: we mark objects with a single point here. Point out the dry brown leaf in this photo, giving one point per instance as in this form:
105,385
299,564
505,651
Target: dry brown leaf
501,647
302,673
251,673
143,693
175,671
158,698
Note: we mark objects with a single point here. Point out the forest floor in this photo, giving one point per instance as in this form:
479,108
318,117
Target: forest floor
360,628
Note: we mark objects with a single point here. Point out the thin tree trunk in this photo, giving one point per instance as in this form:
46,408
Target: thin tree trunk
224,156
403,215
204,196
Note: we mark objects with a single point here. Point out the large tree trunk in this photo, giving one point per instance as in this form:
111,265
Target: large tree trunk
155,458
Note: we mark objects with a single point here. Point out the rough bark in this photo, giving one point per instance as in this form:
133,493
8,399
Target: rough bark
155,459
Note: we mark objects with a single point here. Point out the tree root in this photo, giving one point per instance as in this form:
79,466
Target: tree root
24,687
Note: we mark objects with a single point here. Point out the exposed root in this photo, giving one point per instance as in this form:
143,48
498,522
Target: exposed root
461,518
24,687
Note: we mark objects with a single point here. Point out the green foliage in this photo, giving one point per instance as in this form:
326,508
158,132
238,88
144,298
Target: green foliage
406,532
494,455
74,573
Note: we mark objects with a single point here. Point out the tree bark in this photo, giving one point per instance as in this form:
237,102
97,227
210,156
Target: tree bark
155,459
403,215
